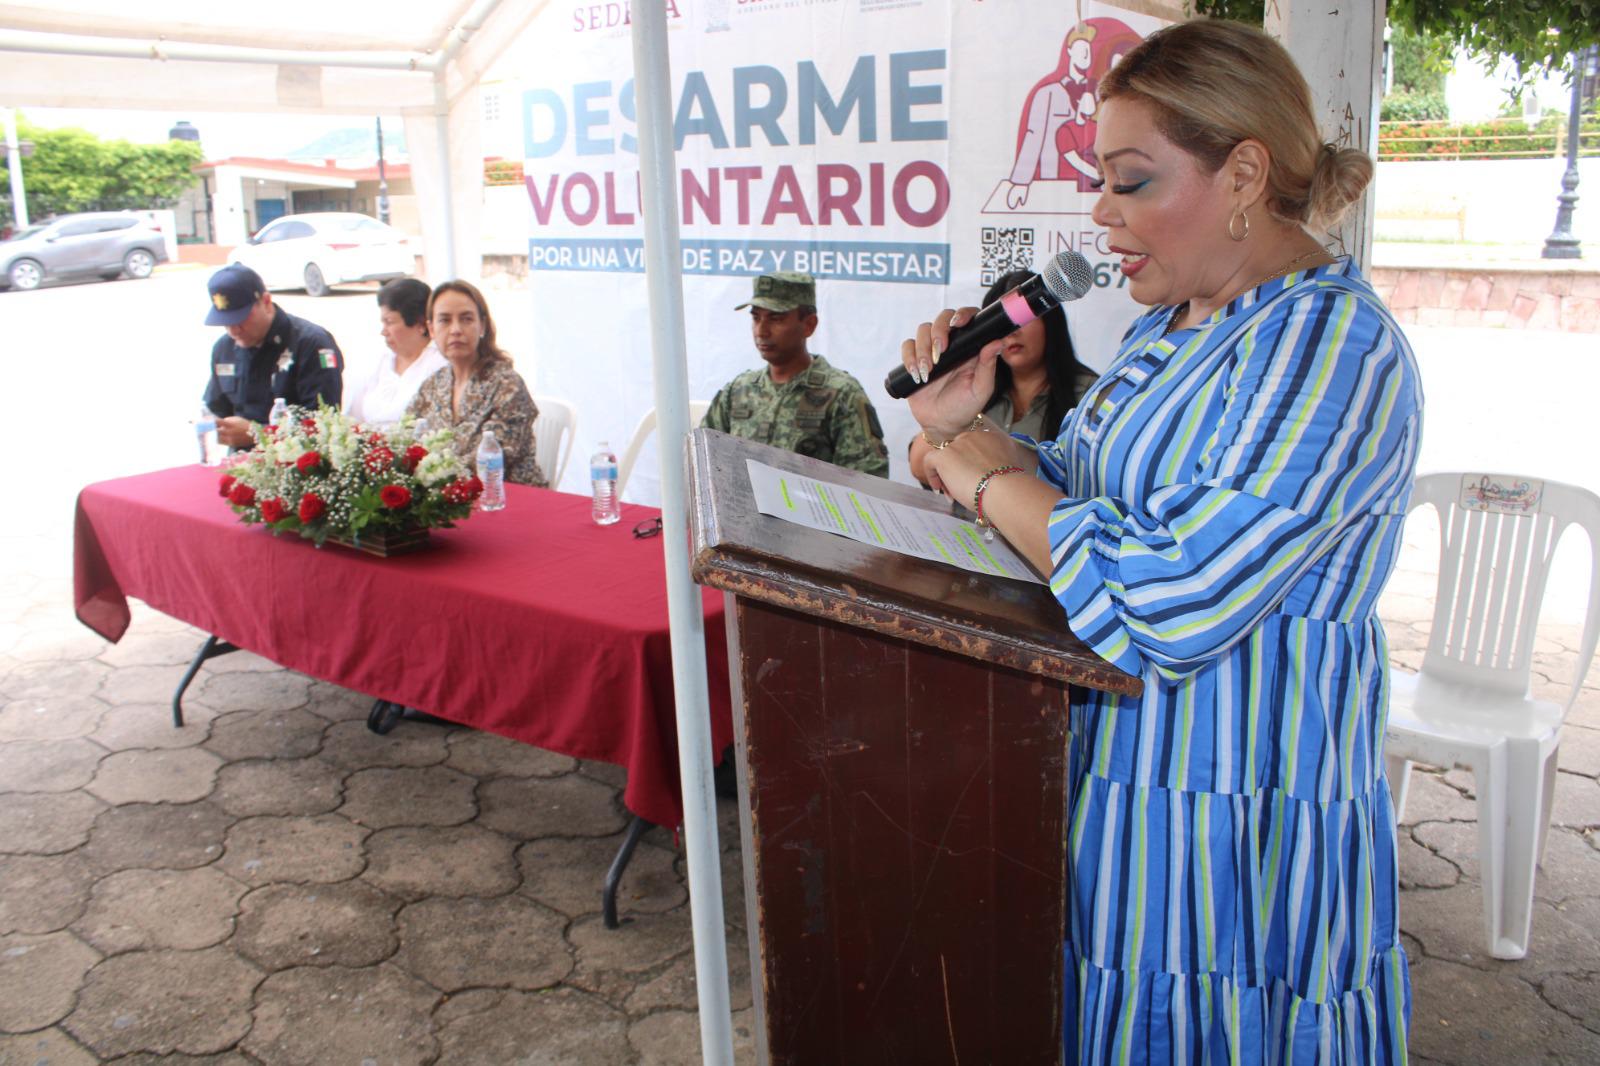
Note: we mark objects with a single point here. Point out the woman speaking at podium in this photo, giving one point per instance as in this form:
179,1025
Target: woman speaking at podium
1218,516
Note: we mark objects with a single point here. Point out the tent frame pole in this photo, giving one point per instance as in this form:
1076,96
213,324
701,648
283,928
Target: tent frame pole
663,260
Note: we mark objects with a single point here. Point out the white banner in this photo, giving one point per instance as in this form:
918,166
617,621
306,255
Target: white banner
906,152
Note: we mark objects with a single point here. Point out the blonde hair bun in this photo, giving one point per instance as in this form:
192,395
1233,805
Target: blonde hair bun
1339,180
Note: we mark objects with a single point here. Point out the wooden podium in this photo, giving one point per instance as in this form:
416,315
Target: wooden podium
902,741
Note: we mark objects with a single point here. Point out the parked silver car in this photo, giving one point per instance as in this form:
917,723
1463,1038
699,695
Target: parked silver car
107,243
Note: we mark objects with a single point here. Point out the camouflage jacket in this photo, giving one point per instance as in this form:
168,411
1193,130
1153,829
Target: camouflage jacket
822,412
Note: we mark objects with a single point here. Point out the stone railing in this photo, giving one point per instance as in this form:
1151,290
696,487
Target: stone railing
1505,296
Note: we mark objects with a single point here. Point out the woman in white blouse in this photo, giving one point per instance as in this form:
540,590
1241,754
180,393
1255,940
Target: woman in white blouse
383,395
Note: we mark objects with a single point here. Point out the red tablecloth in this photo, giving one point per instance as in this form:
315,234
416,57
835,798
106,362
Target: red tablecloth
532,622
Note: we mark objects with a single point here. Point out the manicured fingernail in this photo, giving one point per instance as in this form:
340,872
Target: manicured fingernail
923,368
938,350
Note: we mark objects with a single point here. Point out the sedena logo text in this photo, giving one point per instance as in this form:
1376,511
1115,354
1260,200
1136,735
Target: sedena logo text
611,15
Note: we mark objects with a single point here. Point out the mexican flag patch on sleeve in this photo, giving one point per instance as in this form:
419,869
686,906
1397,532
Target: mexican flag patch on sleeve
328,359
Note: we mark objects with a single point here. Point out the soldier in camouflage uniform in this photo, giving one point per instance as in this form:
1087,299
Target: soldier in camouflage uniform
797,401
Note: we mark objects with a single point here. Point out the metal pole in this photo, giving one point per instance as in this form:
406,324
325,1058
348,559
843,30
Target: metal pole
383,178
1562,242
19,198
162,50
658,174
445,258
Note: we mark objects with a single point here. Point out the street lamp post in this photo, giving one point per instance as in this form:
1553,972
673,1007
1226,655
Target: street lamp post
383,180
1562,242
14,154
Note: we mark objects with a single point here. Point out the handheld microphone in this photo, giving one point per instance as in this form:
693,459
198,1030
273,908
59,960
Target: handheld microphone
1065,277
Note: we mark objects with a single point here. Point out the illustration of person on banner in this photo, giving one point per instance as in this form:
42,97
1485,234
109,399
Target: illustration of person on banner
1219,518
1055,136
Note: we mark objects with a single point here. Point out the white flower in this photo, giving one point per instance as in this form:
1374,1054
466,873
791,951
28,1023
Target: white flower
435,469
343,447
288,449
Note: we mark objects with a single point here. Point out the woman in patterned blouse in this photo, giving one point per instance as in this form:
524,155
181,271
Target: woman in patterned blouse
1218,517
477,389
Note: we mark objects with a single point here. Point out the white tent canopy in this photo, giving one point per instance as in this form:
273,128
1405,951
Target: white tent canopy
358,57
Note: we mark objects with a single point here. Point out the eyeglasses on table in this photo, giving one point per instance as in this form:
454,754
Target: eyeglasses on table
650,527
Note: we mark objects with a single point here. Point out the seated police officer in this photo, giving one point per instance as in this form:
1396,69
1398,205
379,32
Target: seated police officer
268,353
797,401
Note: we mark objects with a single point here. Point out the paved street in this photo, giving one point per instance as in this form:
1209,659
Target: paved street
275,884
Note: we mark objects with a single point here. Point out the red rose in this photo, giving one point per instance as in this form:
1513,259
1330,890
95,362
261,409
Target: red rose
273,510
242,494
414,455
394,497
308,462
225,486
308,424
379,458
311,507
474,486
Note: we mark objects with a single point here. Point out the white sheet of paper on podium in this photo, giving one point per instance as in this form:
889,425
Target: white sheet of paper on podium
848,512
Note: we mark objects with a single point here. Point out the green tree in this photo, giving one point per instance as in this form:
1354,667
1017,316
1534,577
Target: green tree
1419,62
73,170
147,176
1538,36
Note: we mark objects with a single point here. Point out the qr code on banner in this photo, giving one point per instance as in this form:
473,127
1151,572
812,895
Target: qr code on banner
1005,249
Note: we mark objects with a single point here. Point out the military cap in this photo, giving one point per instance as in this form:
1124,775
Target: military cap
783,291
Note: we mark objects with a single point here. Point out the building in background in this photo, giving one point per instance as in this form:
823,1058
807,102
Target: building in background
237,195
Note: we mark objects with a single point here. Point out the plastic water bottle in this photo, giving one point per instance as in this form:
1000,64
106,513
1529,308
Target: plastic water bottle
603,475
205,431
492,472
279,413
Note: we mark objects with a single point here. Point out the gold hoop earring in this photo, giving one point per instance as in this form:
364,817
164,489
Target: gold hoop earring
1239,236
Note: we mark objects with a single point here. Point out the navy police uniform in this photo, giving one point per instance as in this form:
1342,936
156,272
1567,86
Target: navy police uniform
297,360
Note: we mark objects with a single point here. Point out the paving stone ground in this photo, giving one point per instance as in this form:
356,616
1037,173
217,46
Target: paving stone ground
274,884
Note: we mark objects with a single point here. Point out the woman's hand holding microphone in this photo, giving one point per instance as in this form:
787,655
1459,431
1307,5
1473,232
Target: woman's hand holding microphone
949,410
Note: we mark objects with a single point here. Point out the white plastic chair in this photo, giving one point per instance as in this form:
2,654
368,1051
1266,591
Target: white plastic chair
1471,706
641,433
553,433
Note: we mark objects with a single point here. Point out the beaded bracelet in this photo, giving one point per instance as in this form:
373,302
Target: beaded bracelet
941,445
983,483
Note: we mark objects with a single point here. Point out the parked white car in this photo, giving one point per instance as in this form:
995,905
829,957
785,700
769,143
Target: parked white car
318,250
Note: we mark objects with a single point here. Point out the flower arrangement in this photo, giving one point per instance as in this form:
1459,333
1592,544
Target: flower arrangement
325,475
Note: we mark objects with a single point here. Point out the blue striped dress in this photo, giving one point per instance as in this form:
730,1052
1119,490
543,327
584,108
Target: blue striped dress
1235,494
